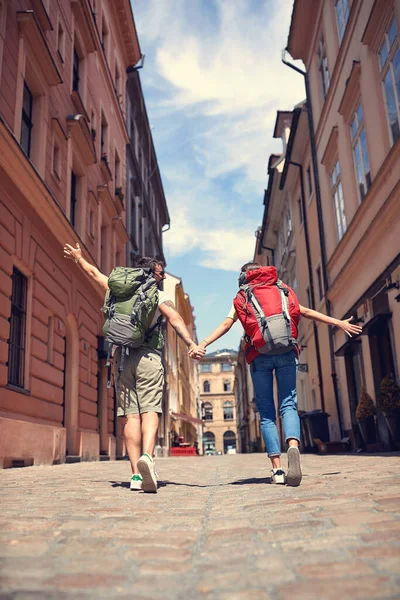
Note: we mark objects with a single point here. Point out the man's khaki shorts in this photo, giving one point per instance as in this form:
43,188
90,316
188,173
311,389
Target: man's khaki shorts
141,383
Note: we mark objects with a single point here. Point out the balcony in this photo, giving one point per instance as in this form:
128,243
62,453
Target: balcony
105,168
32,34
82,137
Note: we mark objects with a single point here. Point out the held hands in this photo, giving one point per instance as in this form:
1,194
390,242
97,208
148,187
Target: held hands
197,351
349,328
73,253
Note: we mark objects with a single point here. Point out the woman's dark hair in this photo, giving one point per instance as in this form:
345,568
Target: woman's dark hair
149,262
250,266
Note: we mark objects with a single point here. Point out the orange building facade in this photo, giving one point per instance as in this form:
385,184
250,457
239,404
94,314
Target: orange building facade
63,143
331,217
218,402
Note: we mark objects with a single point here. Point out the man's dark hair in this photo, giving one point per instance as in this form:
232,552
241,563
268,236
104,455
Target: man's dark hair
149,262
250,266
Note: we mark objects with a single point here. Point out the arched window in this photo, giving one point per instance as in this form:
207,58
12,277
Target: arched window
208,411
228,411
208,441
227,385
206,386
229,441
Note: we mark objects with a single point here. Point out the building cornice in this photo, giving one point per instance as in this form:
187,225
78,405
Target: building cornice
351,92
378,20
30,29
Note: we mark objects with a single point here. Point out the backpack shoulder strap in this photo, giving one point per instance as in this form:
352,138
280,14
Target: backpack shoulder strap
141,296
251,298
284,292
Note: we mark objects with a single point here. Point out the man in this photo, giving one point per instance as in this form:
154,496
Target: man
142,379
262,367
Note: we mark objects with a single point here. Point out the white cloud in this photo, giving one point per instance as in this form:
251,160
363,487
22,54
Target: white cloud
216,81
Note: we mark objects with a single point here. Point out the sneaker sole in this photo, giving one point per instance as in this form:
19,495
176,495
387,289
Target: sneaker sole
293,476
281,481
149,483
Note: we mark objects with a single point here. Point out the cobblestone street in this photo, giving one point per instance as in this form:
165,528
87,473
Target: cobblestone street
217,529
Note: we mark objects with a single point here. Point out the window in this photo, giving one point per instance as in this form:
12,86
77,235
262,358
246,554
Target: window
309,182
132,229
360,152
16,347
104,34
308,296
75,72
103,248
226,367
342,16
56,159
227,385
300,209
337,194
209,441
103,137
206,386
91,222
289,223
208,411
27,123
229,441
60,42
319,283
117,80
73,199
323,67
389,62
205,368
228,411
117,170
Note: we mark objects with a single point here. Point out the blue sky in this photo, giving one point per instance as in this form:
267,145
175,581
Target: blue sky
213,81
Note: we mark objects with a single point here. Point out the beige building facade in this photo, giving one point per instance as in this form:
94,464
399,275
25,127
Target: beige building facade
218,401
340,179
181,403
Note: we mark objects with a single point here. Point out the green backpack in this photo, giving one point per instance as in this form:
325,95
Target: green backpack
130,305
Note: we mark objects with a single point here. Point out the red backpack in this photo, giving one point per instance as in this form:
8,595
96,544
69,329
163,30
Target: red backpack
268,310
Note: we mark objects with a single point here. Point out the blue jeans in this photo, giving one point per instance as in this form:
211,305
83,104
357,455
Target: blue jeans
262,368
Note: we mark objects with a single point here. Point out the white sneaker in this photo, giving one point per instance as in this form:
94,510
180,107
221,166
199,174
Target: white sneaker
146,469
136,482
278,476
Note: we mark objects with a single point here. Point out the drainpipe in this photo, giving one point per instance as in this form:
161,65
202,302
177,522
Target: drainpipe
311,278
321,232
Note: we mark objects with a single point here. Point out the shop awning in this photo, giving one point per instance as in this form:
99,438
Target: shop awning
188,418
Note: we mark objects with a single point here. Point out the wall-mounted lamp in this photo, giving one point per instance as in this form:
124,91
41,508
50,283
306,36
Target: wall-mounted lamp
357,320
391,285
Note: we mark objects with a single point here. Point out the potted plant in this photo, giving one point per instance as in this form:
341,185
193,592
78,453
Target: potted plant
119,193
389,404
365,412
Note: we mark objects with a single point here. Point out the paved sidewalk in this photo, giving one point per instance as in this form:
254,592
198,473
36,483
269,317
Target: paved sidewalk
216,530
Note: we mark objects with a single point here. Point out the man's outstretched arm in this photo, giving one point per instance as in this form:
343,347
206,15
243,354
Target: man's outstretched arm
168,310
76,255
